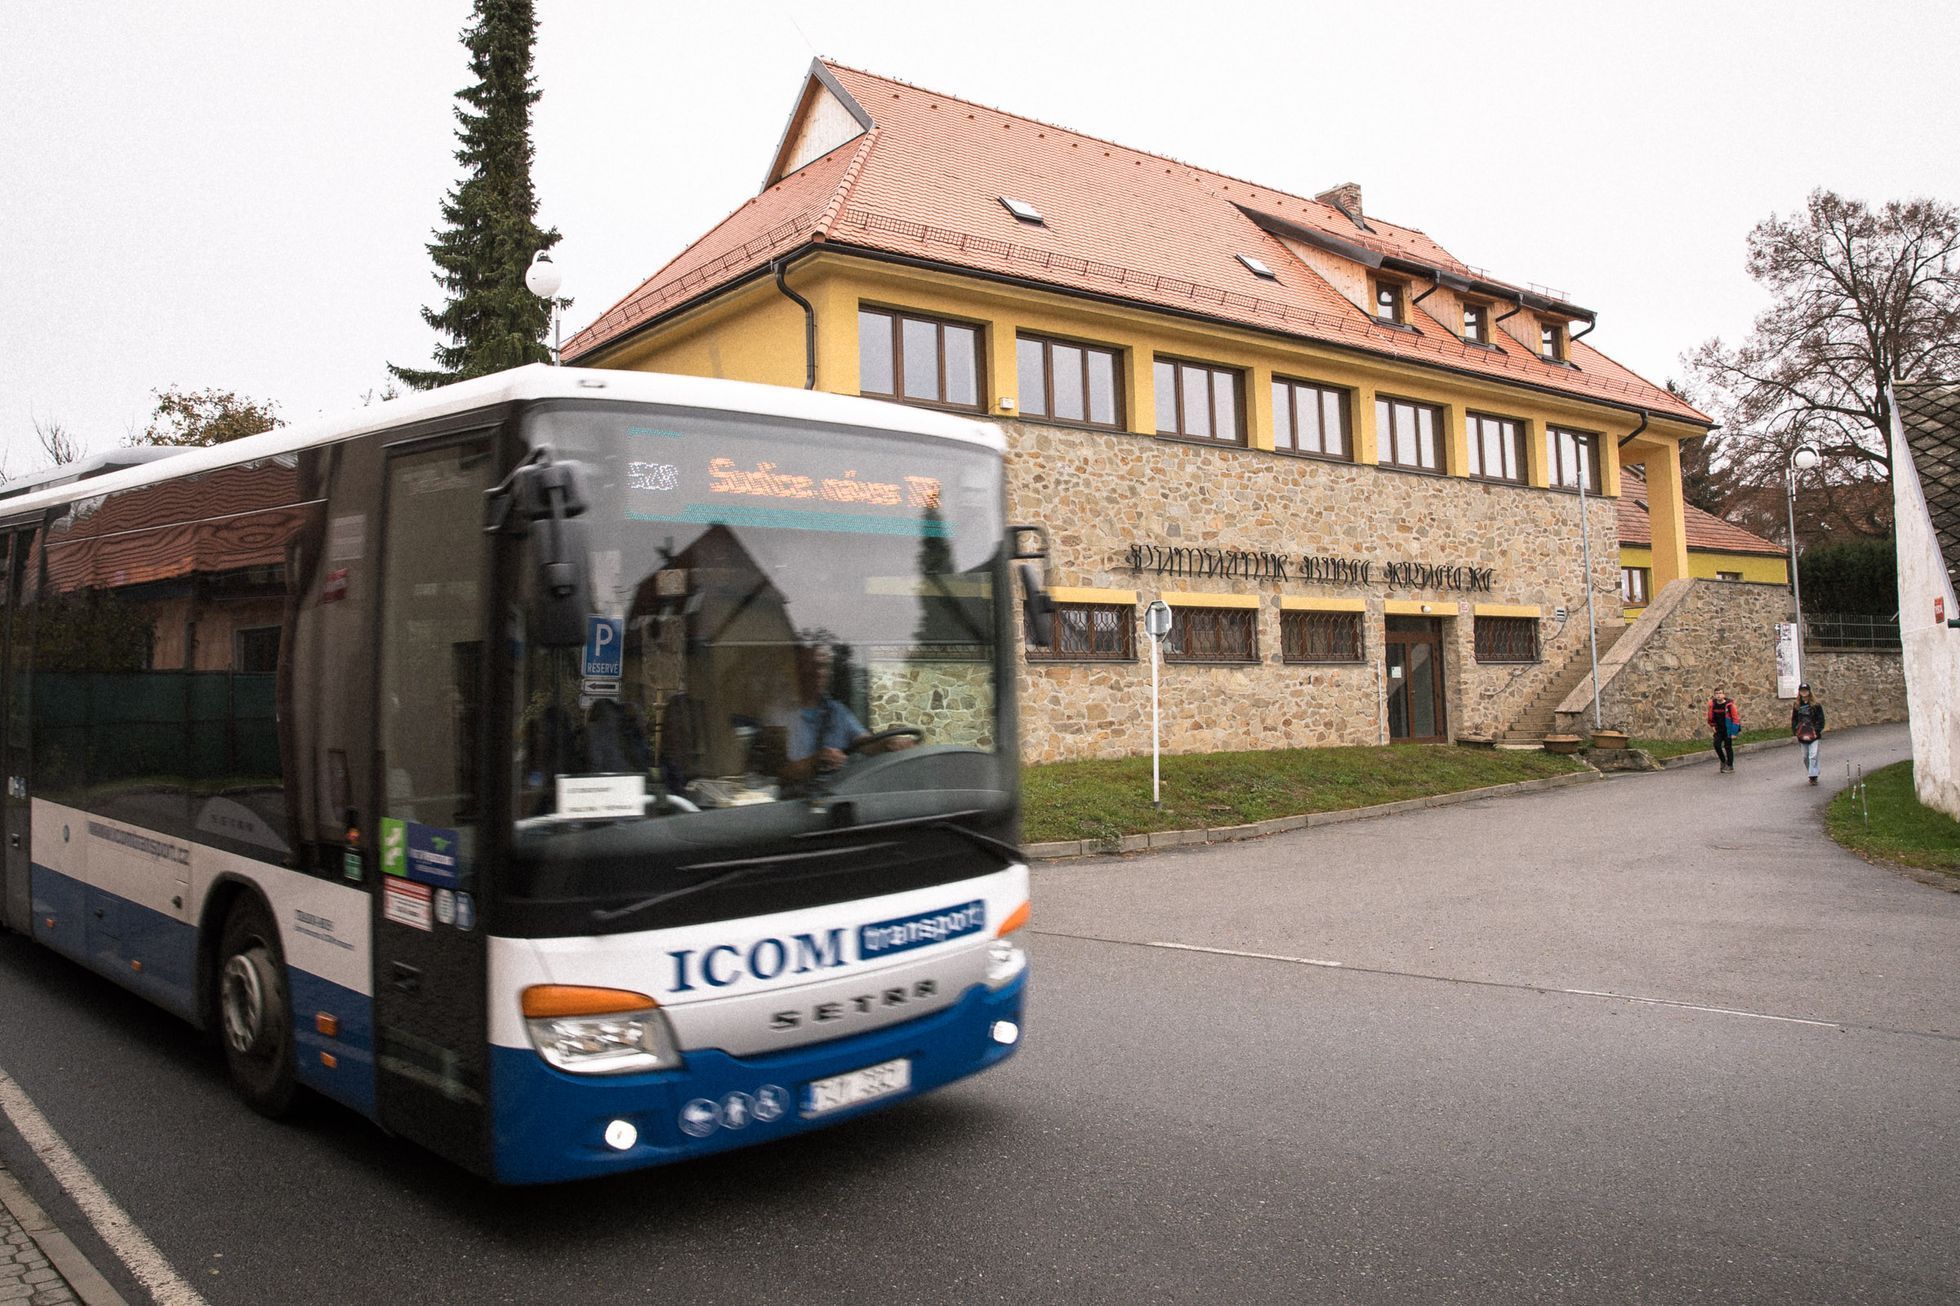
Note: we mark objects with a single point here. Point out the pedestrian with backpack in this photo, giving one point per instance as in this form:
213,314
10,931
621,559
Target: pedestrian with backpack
1726,722
1807,724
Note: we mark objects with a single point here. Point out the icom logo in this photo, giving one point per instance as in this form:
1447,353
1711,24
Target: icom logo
764,959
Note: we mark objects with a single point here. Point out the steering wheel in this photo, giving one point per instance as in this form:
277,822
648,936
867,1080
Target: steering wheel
894,732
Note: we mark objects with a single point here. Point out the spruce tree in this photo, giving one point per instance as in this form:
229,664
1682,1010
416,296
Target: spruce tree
491,320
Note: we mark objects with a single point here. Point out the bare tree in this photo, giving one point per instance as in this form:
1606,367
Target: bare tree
56,443
1862,296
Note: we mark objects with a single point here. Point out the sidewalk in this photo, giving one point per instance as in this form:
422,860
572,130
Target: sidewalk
31,1248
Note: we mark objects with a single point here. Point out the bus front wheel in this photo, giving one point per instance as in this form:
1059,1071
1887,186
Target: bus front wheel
255,1022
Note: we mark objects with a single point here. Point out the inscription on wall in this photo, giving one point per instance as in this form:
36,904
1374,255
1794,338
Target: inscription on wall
1242,564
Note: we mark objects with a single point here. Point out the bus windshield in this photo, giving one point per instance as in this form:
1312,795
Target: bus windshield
777,613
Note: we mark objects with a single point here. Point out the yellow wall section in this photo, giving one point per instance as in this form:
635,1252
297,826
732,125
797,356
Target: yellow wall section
756,334
1702,565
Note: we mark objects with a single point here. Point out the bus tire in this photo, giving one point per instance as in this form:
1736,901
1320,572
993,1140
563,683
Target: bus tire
255,1019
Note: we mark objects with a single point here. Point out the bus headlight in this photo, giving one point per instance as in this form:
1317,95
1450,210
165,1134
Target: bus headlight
592,1031
1005,960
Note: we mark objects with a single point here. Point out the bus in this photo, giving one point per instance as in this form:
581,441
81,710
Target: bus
570,770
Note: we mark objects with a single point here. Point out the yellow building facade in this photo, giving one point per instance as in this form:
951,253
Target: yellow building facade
1430,594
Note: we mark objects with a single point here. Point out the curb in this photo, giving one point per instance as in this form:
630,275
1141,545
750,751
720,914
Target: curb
82,1278
1137,843
1707,755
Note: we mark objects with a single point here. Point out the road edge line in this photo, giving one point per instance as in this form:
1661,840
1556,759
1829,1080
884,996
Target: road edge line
109,1220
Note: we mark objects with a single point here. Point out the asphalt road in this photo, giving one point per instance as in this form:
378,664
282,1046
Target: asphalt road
1460,1111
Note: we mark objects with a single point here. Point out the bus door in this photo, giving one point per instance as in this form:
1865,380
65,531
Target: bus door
431,1026
16,675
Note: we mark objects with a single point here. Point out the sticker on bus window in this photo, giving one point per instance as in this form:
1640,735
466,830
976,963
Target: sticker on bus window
394,846
598,797
407,903
433,855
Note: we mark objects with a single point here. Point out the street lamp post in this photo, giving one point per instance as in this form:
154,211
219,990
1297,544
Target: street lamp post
542,279
1802,459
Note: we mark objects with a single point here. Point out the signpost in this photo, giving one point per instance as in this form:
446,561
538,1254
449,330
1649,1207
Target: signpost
1157,625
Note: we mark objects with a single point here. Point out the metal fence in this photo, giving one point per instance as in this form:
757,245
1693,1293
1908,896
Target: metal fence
1837,631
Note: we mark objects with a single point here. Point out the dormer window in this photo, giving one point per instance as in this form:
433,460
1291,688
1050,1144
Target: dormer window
1551,342
1476,324
1024,211
1391,303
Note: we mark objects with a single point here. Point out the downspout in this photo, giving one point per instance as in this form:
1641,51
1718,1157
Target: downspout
1588,331
779,267
1634,434
1519,308
1434,286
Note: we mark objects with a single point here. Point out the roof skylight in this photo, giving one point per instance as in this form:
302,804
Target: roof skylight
1257,268
1023,210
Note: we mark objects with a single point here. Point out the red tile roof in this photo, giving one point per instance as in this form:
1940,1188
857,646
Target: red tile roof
924,182
1706,532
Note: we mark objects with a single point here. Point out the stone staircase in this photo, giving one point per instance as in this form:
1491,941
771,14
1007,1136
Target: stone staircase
1539,719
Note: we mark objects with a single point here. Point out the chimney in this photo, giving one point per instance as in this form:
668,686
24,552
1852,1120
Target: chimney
1346,197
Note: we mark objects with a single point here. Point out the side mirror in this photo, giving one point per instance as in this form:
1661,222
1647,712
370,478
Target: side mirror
1037,608
545,497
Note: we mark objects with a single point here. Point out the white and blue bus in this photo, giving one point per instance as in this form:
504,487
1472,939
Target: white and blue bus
572,771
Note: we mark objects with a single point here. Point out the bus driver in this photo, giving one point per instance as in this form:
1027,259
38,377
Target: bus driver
821,728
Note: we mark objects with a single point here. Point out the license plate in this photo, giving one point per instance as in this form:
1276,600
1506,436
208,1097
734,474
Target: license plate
822,1096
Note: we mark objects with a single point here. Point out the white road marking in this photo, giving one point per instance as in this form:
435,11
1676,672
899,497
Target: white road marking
1696,1006
1257,956
1501,984
110,1220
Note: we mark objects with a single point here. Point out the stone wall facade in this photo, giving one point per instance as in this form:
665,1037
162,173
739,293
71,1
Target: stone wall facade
1857,688
952,702
1704,635
1099,493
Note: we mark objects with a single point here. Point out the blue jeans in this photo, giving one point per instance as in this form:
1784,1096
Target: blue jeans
1809,747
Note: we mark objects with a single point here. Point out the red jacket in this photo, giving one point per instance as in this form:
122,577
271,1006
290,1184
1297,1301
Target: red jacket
1726,712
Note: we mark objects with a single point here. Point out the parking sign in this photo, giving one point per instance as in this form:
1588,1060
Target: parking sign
605,639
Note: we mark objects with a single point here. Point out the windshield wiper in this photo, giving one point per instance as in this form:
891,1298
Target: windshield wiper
730,871
947,821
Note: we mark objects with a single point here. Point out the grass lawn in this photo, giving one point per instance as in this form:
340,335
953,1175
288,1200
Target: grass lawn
1702,743
1901,829
1107,799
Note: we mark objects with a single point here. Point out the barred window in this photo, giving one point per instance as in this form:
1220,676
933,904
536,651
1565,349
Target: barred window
1213,635
1092,632
1507,639
1320,636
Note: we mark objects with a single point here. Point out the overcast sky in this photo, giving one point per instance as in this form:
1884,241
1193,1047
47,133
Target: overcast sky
238,195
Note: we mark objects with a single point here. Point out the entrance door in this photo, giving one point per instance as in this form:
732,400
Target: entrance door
1413,649
16,902
431,1036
